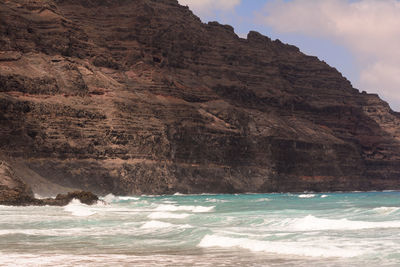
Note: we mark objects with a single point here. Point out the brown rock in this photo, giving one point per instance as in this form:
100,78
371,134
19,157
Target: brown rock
87,198
13,191
159,102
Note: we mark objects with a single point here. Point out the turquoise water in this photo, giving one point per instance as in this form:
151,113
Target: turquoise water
340,229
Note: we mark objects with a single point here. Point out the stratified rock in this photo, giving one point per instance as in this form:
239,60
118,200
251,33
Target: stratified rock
13,191
139,96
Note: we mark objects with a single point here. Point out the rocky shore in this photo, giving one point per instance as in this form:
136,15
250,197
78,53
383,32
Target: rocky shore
13,191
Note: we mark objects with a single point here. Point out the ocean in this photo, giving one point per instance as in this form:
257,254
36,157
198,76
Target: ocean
330,229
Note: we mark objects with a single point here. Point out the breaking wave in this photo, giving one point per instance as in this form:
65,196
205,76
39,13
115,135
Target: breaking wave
306,195
156,224
76,208
287,248
386,210
196,209
311,223
167,215
110,198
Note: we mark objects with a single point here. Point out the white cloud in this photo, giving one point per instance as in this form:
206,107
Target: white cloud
369,28
385,78
207,7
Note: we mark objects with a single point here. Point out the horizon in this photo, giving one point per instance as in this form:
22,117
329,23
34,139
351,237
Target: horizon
357,37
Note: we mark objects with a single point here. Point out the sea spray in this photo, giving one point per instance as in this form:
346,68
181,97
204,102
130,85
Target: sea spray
76,208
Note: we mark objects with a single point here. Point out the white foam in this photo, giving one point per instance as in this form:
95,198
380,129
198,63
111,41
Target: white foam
156,224
48,232
78,209
167,215
110,198
196,209
128,198
287,248
386,210
169,202
263,199
89,231
324,196
306,195
76,259
24,259
202,209
213,200
311,223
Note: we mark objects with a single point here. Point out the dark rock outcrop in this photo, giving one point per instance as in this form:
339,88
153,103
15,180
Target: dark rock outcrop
15,192
87,198
139,96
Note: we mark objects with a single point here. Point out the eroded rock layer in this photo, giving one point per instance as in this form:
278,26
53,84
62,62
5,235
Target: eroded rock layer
139,96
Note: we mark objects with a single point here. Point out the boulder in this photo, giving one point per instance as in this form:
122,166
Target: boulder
84,197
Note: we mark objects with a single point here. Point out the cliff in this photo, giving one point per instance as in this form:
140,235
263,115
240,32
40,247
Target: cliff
14,191
139,96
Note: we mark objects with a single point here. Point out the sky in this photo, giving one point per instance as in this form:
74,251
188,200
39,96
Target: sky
360,38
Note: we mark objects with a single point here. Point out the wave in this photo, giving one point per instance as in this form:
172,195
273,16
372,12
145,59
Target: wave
169,202
167,215
156,224
311,223
76,208
306,195
202,194
128,198
324,196
40,259
196,209
214,200
287,248
110,198
47,232
265,199
386,210
67,259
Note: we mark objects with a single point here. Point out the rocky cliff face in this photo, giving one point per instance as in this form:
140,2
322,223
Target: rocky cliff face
139,96
12,189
